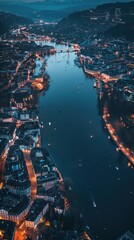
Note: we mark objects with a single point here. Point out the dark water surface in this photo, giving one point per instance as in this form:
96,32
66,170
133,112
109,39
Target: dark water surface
75,137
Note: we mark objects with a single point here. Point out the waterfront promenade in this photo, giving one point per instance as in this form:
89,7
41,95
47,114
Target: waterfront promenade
126,151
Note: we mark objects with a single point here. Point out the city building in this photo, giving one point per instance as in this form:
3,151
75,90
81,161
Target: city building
28,128
22,96
24,115
3,146
7,130
36,213
16,174
4,117
20,186
7,230
13,207
126,236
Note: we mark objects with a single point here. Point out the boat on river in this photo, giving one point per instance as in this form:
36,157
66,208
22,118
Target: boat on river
95,85
94,204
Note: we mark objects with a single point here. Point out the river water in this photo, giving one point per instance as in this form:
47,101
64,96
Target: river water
74,135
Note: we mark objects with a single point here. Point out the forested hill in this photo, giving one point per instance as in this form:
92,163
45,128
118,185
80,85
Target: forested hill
125,7
104,19
8,20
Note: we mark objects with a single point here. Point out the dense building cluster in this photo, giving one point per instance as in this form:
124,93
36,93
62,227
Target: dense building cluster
34,200
32,195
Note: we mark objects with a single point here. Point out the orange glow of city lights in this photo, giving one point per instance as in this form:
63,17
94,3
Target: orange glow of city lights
47,224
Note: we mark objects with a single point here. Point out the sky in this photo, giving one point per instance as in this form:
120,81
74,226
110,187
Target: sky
66,1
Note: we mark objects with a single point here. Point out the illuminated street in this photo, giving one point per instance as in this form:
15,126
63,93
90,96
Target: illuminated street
128,153
66,120
31,174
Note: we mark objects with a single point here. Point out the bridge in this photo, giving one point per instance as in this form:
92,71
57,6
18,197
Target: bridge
65,50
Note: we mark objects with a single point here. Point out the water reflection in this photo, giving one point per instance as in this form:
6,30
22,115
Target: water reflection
74,110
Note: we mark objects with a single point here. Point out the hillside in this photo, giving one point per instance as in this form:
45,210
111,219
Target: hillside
125,7
124,15
80,25
125,30
47,10
59,14
8,20
104,19
51,15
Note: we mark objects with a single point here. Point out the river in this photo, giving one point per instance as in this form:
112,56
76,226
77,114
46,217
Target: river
74,135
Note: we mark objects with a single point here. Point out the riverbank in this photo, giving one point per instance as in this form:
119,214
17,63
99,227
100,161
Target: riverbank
105,115
126,151
61,179
97,74
81,148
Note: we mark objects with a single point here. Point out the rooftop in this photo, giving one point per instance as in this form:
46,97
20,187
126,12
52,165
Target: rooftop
12,203
7,128
36,209
126,236
7,229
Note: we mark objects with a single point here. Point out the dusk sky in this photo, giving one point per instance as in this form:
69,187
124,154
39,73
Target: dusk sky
66,1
